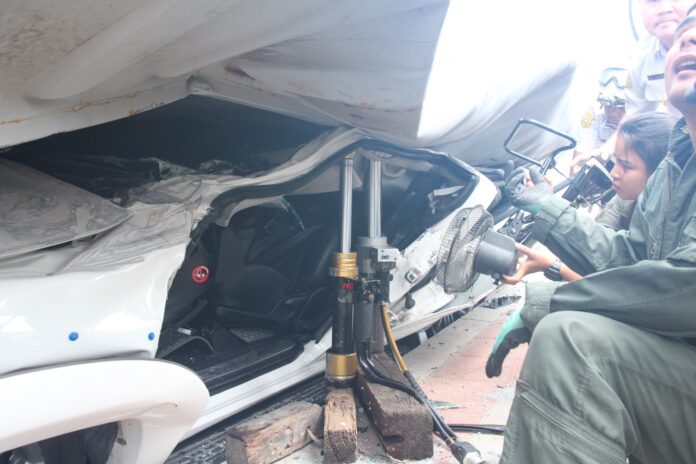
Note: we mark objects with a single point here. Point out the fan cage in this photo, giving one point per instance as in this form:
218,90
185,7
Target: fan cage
455,260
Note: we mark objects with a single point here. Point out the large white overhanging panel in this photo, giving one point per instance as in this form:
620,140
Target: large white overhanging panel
74,64
455,75
414,72
370,73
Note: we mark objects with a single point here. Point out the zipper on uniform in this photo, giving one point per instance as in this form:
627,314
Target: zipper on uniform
668,210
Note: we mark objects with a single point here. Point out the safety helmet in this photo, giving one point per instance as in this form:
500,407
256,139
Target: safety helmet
613,83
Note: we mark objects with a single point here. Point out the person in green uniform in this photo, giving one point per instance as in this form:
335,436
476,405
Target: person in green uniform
611,364
641,143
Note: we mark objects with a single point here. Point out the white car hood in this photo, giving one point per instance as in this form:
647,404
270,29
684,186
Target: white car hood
454,75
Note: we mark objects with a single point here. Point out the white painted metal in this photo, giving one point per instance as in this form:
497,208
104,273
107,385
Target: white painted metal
106,297
429,301
76,316
414,72
154,401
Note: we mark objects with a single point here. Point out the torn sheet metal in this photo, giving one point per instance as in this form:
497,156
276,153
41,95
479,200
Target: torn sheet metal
38,211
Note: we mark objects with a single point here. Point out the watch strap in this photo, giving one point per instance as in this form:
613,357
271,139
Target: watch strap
553,272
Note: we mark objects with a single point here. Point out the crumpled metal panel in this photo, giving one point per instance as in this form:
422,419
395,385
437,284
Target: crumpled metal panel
39,211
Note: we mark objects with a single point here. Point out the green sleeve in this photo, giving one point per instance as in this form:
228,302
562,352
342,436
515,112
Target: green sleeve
659,296
582,244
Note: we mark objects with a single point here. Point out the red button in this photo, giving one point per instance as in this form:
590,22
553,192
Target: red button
200,274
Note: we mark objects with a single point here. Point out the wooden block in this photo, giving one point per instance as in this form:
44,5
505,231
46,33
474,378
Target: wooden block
266,439
340,426
405,426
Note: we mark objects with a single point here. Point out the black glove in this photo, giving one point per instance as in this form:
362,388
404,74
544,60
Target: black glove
527,198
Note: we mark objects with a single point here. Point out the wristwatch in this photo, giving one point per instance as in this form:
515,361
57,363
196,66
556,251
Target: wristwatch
553,272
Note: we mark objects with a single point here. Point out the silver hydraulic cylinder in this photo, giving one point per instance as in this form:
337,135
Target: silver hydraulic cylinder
375,257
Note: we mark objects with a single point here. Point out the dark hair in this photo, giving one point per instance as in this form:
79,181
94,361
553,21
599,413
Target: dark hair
647,135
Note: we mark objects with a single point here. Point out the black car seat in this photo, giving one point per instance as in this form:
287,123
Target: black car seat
270,279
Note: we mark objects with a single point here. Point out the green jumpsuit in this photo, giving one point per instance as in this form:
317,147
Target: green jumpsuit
611,366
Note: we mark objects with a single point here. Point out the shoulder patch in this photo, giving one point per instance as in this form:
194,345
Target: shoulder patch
587,119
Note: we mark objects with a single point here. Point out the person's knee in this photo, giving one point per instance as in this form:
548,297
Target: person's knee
554,331
564,328
563,338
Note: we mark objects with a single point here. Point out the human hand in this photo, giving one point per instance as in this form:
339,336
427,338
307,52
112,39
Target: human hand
534,262
603,153
527,195
579,160
510,336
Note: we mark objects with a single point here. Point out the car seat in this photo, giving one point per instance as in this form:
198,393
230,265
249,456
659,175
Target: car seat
273,280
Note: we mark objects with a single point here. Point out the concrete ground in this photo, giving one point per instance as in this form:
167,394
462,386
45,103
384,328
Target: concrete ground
450,368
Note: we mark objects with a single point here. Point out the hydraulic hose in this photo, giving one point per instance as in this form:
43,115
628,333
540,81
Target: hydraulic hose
465,452
491,429
373,375
463,448
409,376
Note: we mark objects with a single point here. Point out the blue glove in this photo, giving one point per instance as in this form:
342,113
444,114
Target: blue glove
527,198
510,336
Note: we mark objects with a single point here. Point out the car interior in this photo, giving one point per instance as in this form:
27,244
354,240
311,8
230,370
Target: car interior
253,291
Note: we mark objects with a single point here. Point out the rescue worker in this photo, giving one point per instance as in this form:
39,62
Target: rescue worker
600,121
612,359
646,89
641,144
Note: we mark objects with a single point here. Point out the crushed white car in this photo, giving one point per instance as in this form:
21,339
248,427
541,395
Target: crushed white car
170,200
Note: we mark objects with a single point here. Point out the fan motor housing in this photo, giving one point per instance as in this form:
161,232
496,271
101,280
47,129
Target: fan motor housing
496,255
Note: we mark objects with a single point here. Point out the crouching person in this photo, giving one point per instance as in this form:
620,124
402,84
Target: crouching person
611,364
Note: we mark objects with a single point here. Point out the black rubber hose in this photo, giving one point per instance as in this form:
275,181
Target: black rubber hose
416,392
460,449
411,379
373,375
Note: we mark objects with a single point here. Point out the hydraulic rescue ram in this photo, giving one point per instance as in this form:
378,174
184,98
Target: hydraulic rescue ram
362,298
341,360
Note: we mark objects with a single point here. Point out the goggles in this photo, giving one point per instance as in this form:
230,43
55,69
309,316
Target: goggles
611,101
619,76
